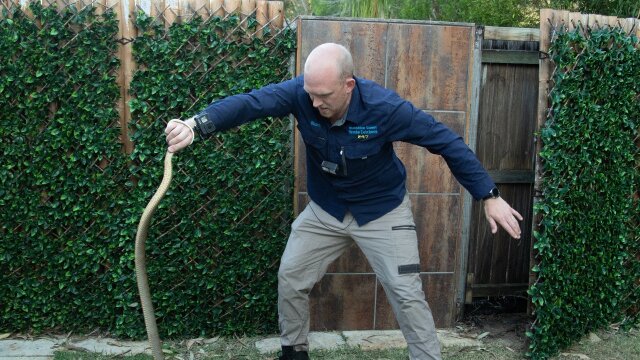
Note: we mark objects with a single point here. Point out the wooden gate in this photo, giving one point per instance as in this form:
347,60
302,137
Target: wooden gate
499,265
433,66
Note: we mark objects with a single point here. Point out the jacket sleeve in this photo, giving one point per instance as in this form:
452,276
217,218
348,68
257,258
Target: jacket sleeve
271,100
415,126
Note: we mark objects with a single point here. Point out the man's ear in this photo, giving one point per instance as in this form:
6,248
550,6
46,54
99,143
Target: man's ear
351,83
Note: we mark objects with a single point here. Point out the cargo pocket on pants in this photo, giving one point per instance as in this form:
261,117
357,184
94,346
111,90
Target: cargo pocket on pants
406,249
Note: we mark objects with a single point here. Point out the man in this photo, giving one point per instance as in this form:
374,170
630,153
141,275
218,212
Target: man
356,185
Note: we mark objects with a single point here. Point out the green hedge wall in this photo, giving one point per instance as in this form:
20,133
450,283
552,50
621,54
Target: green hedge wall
71,199
61,170
220,231
588,247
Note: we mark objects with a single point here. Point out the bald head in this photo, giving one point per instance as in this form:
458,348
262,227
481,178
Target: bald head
328,79
331,60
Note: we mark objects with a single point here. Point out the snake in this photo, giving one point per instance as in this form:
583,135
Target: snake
140,260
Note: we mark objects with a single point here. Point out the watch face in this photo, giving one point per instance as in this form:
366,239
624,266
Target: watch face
494,192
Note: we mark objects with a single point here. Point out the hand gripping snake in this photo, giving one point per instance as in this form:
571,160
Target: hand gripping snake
140,260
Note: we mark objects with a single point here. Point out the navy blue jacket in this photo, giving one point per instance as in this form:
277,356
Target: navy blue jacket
375,178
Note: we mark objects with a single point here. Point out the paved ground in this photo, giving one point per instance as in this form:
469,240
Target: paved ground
44,347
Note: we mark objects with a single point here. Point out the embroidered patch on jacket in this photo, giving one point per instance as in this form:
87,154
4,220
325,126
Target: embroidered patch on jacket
363,132
314,123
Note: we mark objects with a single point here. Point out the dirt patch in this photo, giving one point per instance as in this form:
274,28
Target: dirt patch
506,330
499,321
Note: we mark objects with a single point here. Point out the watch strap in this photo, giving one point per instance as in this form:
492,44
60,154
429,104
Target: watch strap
494,193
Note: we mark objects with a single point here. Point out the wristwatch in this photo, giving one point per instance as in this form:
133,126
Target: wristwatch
204,126
493,194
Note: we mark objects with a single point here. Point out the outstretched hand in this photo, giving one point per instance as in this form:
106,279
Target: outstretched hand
497,211
179,135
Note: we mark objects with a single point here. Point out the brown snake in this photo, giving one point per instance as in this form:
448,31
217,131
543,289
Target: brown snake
140,260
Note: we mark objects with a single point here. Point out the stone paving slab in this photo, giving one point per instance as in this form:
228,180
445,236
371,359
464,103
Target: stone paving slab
18,349
367,340
317,340
375,340
113,347
42,349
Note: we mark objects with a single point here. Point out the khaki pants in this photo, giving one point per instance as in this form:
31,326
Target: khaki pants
391,247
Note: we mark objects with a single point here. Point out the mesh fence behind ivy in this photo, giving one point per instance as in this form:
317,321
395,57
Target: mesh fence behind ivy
71,197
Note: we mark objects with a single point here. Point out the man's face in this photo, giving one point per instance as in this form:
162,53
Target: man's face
329,94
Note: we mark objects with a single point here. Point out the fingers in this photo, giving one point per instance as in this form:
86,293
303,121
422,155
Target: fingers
512,227
493,225
498,211
510,224
179,136
170,126
179,142
515,228
179,146
516,214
